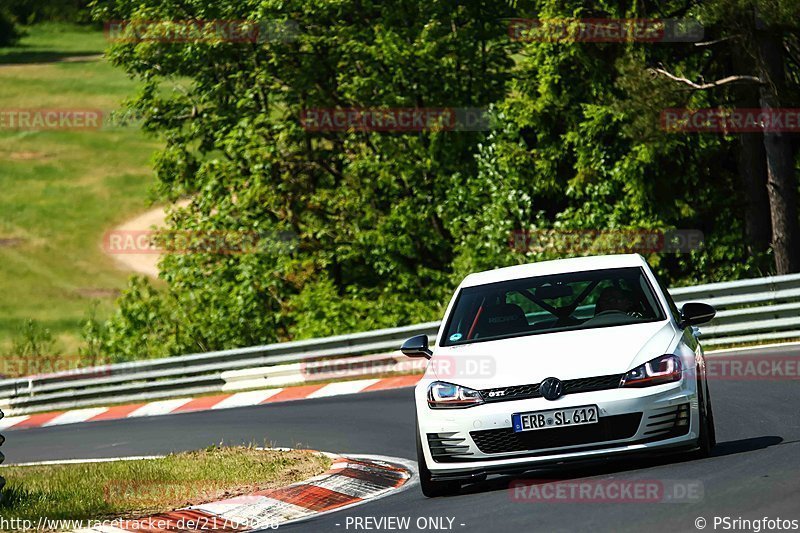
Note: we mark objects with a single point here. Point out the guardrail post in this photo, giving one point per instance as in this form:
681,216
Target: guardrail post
2,457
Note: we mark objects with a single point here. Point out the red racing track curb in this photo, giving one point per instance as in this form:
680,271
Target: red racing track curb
204,403
349,481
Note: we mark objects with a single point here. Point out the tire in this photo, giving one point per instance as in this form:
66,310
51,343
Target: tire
431,488
708,435
710,417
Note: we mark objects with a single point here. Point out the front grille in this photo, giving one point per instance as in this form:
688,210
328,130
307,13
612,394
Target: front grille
668,422
607,429
445,448
592,384
571,386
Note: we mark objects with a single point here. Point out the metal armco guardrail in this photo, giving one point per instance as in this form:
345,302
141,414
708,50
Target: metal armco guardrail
186,375
750,310
753,310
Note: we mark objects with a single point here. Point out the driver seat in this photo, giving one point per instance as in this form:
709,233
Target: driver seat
501,319
614,299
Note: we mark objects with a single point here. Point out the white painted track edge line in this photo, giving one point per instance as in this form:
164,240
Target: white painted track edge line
341,388
10,421
246,398
160,407
84,461
75,416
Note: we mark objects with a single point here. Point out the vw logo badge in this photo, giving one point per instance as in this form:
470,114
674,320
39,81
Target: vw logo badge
551,389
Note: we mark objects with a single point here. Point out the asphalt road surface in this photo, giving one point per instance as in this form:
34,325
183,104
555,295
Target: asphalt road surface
754,473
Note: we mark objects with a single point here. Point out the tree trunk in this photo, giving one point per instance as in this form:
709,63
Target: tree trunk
753,172
752,162
781,179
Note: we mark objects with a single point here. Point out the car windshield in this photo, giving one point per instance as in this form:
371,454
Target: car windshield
545,304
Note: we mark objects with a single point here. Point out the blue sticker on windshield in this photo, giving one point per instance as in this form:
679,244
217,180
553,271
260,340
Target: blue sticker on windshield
455,336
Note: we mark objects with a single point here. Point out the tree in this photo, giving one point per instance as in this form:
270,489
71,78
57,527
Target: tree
364,229
761,37
9,34
370,245
581,149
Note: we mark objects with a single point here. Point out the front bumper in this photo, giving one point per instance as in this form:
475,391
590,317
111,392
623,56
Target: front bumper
466,443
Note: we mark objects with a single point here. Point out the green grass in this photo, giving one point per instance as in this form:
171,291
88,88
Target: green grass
138,488
63,189
52,41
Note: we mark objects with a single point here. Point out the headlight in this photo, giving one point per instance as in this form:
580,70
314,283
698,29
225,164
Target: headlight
443,395
664,369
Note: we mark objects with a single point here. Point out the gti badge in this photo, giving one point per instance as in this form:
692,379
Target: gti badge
551,389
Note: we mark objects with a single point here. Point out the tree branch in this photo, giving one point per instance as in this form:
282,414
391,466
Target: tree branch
717,41
711,85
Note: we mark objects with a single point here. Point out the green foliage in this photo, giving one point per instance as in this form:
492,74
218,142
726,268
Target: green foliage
9,34
33,340
94,333
356,310
34,11
366,209
385,224
33,350
580,149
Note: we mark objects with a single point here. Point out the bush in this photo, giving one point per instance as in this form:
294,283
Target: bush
9,34
33,11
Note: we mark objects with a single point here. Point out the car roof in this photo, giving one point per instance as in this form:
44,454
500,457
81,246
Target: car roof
557,266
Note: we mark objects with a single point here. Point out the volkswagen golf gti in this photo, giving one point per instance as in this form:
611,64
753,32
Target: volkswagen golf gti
573,359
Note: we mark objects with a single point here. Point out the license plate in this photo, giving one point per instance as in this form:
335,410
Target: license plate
555,418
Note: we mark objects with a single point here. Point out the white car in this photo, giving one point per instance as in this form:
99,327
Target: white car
556,361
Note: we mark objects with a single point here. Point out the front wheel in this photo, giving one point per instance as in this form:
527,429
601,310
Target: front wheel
708,434
431,488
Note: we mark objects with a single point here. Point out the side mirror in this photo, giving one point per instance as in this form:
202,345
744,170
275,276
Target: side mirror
693,313
417,347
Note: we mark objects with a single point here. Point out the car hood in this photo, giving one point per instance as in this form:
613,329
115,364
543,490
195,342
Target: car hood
564,355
